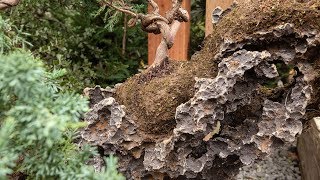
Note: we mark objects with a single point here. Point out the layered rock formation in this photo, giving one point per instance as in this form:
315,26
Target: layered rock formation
264,89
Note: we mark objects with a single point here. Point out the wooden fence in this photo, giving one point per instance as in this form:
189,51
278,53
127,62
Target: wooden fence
179,51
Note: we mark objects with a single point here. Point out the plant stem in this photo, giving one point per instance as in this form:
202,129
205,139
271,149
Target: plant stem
124,37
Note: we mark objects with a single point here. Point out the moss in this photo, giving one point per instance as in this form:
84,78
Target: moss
151,97
286,75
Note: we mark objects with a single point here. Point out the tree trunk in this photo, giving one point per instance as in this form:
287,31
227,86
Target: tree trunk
4,4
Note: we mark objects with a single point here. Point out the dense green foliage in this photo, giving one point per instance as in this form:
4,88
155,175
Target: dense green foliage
38,122
83,39
197,25
86,39
76,44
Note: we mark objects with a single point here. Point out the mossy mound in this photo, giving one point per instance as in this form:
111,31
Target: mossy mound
151,97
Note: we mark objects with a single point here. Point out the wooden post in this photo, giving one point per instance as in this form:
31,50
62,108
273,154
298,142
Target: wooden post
210,6
179,51
309,150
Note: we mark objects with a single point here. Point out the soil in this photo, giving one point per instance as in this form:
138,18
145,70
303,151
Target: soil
151,97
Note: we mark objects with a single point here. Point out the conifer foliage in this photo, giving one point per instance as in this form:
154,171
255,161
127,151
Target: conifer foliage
39,121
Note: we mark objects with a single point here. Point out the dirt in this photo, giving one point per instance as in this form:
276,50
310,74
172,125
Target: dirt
152,96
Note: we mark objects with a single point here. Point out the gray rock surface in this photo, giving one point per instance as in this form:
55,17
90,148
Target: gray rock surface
233,119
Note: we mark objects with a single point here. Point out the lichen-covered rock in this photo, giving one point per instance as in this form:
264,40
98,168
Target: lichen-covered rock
257,102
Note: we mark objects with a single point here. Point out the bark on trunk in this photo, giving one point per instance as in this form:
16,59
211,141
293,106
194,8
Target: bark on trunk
4,4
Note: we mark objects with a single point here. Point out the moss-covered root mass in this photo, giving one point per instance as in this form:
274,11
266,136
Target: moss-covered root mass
152,96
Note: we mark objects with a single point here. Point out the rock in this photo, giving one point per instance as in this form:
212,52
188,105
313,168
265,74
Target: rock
216,122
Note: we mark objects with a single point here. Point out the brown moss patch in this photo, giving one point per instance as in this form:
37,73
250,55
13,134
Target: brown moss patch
255,15
151,97
155,99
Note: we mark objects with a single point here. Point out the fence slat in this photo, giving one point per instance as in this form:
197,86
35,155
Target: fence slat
179,51
210,6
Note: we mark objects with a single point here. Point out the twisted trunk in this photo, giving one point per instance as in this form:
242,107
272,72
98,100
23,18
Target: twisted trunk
166,43
4,4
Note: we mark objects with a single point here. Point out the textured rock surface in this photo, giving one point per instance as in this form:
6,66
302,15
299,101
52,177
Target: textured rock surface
309,151
256,103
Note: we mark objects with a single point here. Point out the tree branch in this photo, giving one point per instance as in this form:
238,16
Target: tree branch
154,6
155,23
124,37
4,4
120,9
162,52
